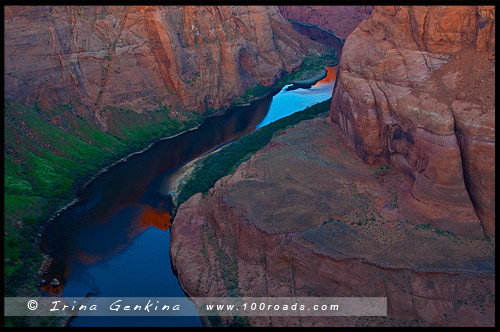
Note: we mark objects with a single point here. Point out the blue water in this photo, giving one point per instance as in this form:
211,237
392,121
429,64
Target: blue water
105,246
288,102
139,276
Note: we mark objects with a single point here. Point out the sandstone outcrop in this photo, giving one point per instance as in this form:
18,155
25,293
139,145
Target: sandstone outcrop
341,20
303,217
187,58
416,89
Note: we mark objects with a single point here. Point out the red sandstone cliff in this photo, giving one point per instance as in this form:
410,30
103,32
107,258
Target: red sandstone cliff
305,218
416,89
341,20
141,58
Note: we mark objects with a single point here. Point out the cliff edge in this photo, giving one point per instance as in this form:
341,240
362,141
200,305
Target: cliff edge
416,89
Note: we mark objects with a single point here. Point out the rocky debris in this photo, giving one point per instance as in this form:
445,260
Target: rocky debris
305,217
189,58
415,89
341,20
44,267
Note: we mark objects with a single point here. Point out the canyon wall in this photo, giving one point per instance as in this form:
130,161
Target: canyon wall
314,214
416,89
304,217
341,20
143,58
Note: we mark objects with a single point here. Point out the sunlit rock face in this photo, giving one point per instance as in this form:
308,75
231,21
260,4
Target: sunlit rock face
416,90
341,20
142,58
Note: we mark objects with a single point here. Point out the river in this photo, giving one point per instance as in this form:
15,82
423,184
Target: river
114,242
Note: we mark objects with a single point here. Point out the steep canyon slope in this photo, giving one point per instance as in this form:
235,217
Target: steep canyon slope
416,88
318,211
304,217
145,57
87,85
341,20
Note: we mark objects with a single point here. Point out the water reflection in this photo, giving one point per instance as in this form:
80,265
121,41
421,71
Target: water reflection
287,102
101,222
330,77
152,217
123,202
115,240
101,241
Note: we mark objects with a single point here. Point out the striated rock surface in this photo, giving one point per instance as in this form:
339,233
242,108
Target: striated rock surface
341,20
145,57
303,217
416,90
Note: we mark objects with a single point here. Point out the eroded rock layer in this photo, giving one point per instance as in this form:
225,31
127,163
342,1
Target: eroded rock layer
305,218
341,20
145,57
416,90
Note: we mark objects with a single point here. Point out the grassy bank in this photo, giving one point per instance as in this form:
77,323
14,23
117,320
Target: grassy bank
48,156
223,162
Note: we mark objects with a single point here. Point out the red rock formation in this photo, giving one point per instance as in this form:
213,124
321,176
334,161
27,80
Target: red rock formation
295,221
416,89
140,58
341,20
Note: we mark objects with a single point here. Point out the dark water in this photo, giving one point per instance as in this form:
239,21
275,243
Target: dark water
115,240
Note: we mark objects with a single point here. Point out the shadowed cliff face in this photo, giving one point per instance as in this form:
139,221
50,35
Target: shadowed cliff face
305,217
341,20
416,89
143,58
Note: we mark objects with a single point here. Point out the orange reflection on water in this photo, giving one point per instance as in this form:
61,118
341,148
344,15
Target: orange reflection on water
150,217
88,259
330,76
51,289
157,218
55,290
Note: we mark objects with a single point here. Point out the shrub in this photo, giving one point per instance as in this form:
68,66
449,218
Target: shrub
225,161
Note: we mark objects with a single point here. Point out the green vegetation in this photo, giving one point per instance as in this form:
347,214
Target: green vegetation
425,227
382,170
227,265
429,227
312,64
225,161
48,156
331,220
196,75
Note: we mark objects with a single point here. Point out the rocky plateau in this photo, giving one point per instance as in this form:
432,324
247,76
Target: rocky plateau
392,195
304,217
